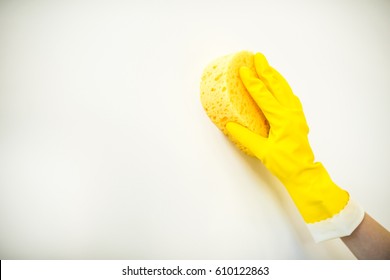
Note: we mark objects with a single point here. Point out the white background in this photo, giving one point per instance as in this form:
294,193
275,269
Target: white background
106,152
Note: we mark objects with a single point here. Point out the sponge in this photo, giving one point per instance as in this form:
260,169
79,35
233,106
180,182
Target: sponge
225,98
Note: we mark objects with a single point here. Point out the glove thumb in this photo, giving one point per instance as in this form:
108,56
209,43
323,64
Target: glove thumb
256,144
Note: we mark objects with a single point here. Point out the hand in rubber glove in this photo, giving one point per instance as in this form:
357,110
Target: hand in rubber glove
326,208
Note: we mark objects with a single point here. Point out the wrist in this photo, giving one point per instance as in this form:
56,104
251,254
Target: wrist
340,225
326,209
314,193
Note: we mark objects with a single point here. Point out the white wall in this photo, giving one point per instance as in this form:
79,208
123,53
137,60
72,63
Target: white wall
106,153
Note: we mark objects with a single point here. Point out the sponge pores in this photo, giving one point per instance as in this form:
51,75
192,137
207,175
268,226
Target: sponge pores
225,98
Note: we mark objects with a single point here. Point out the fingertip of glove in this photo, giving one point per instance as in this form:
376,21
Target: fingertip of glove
247,75
232,127
260,58
244,71
229,126
261,64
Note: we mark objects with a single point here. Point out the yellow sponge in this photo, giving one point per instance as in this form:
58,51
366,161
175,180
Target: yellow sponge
225,98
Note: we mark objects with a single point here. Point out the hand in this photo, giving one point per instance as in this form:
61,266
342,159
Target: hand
286,152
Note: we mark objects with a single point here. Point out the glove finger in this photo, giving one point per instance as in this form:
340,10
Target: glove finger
274,81
255,143
261,95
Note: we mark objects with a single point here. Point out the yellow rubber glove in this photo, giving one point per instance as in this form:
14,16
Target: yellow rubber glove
326,208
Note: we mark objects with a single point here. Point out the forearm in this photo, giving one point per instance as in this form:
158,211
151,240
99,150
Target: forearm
369,240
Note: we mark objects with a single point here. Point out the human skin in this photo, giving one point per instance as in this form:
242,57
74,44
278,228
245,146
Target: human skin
369,241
